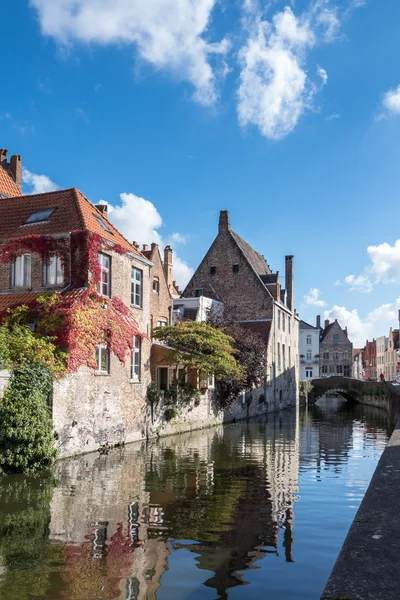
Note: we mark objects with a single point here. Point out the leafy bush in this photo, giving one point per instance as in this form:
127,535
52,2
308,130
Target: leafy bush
171,412
26,440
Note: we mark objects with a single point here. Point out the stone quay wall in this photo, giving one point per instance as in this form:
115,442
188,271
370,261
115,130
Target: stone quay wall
367,566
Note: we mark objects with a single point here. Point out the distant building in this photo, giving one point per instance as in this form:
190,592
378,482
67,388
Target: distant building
198,308
369,360
336,351
391,358
358,368
381,347
309,350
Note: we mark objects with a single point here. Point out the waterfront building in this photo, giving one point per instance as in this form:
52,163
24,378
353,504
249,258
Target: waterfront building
358,368
233,273
391,357
369,360
309,350
381,347
336,351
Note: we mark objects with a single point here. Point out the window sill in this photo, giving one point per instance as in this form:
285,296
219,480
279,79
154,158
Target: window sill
137,307
102,374
134,381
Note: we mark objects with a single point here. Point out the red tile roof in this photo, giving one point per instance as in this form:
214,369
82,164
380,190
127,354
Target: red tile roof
8,187
73,212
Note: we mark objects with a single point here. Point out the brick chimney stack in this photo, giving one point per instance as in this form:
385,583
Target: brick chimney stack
224,223
16,170
326,323
289,276
318,322
168,265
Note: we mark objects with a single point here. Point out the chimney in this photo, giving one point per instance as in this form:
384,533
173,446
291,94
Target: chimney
224,224
326,323
103,208
168,265
289,275
3,155
318,324
16,170
153,245
135,244
145,247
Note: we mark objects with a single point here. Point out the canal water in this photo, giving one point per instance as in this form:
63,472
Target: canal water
252,510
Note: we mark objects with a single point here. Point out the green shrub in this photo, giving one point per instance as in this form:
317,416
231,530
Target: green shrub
26,440
171,412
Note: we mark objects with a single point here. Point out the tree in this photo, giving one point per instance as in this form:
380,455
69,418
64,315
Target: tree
251,353
195,345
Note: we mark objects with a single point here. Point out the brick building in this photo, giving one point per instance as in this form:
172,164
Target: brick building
233,273
336,351
369,360
391,358
57,220
161,285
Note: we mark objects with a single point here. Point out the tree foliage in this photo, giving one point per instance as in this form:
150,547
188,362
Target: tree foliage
194,345
26,440
251,353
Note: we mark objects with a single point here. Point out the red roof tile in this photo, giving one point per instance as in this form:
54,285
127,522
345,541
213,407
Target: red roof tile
73,212
8,187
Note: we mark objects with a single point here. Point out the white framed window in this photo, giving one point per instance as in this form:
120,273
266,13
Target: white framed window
104,286
156,285
136,359
53,271
21,272
207,380
308,342
102,359
162,323
279,319
279,356
136,287
289,357
309,373
284,357
289,324
283,321
308,356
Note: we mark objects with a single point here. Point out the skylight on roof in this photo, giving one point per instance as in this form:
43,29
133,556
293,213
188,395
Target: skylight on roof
104,226
40,216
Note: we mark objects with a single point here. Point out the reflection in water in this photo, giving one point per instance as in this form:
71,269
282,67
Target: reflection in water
197,516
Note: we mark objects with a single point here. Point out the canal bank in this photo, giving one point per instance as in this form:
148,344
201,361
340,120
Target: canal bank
367,566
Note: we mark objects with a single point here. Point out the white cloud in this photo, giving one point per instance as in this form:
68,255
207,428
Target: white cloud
332,117
323,74
169,34
391,101
275,89
385,262
313,298
139,220
177,238
38,184
360,283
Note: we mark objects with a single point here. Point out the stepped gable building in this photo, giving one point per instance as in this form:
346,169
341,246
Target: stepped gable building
162,286
336,351
369,360
10,175
233,273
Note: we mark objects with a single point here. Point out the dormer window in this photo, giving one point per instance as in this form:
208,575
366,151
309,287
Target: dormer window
101,222
41,216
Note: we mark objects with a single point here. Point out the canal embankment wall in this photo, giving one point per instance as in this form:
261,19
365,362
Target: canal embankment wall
367,567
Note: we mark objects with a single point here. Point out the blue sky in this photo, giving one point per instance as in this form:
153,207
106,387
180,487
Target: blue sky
285,113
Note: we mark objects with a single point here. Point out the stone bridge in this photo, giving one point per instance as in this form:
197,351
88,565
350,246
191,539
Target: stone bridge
351,389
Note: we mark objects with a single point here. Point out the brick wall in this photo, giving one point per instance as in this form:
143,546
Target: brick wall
340,354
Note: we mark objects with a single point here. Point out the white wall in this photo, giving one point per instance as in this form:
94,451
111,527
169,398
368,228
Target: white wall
309,365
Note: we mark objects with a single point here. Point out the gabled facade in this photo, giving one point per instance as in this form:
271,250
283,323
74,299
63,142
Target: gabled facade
10,175
381,347
309,351
358,369
160,285
233,273
336,351
369,360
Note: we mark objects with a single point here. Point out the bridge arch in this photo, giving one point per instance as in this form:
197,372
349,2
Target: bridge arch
350,389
